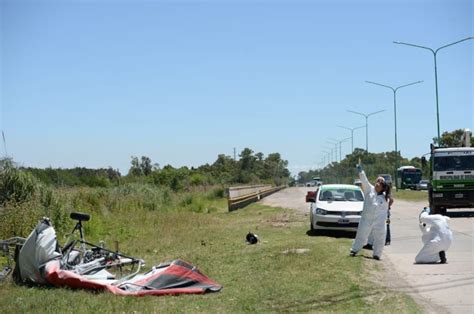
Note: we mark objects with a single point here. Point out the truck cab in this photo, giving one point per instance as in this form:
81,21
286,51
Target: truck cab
452,178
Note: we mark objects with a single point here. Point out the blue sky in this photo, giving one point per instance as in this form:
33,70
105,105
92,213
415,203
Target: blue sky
91,83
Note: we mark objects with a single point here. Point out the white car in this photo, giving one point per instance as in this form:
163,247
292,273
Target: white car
422,185
335,207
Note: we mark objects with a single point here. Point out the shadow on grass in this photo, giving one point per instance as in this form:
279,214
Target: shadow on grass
331,233
326,302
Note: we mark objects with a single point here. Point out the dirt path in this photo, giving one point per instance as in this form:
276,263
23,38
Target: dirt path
438,288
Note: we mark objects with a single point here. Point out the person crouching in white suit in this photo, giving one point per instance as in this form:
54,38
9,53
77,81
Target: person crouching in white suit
437,238
374,215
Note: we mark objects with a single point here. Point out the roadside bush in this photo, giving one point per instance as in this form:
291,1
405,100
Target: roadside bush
16,186
134,195
23,201
217,193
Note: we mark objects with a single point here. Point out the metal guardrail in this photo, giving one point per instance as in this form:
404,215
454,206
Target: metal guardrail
258,192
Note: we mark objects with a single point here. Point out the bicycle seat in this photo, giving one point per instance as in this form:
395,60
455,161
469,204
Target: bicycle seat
80,216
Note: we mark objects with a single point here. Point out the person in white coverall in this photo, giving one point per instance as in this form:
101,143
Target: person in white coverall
388,237
437,238
374,215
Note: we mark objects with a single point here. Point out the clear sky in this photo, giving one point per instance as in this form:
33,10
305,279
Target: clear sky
91,83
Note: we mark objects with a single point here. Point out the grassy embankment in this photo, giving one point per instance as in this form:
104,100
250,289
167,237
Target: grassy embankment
269,276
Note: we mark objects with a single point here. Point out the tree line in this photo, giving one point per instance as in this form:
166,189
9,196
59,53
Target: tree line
249,168
374,164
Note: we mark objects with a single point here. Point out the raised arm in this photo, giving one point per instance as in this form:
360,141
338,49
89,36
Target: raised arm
366,186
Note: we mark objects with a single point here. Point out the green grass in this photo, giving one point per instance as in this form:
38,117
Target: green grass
411,195
256,278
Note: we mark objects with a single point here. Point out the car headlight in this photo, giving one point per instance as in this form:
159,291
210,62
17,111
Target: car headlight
321,211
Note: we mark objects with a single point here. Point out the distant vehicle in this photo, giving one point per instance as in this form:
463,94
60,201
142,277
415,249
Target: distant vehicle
335,207
315,181
358,182
387,178
408,177
422,185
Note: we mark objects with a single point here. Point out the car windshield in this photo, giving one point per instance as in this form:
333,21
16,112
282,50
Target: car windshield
453,163
341,194
411,176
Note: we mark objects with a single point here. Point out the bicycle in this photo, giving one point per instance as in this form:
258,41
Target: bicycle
91,260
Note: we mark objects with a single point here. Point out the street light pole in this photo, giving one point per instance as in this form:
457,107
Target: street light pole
340,146
394,90
352,133
435,52
335,148
329,153
326,153
366,116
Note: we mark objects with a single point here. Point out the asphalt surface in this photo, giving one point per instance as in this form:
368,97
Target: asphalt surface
447,288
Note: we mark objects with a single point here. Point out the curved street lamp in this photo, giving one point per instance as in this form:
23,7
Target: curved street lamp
366,116
326,154
352,133
394,90
340,146
329,153
434,51
329,141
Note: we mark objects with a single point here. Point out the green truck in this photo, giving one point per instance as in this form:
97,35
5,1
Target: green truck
452,177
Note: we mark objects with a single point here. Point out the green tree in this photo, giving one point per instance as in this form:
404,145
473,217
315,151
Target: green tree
451,139
135,169
146,165
223,170
141,167
246,167
276,169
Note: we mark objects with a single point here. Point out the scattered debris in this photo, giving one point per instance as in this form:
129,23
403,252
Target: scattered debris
40,260
251,238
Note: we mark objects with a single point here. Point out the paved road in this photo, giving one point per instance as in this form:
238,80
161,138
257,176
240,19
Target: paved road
439,288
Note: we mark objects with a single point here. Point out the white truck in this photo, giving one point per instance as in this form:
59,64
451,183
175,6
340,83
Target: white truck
452,176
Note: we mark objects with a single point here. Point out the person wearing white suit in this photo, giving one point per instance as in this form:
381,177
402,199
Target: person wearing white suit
436,238
374,215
